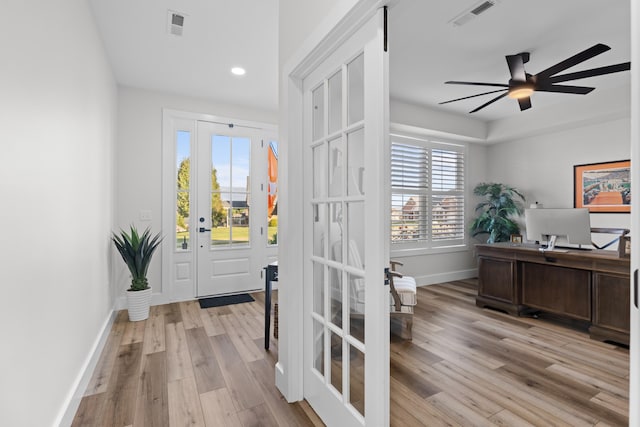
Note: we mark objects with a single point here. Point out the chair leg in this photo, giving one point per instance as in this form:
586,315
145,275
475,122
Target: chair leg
401,325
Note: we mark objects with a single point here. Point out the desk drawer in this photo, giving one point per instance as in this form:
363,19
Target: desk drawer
557,290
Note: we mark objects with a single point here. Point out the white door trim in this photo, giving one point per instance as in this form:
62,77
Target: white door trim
172,120
634,336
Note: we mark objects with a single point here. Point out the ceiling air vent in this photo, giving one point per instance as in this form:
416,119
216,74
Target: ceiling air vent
472,12
176,23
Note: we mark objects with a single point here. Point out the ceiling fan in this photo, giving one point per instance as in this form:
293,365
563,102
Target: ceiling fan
522,84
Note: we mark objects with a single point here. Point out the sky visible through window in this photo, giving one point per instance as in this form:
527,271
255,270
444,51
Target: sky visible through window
221,157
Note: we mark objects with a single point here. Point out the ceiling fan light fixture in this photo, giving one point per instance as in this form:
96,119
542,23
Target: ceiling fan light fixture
524,90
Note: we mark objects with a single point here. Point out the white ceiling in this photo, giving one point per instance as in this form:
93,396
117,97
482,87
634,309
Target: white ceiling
218,35
425,51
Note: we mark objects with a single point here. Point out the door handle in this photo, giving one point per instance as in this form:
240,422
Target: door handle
202,229
635,288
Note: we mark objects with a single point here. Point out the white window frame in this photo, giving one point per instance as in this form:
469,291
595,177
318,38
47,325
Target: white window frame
404,248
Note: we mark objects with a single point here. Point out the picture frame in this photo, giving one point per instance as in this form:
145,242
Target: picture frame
603,187
516,238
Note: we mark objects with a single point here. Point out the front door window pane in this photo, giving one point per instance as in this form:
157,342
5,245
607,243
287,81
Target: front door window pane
272,194
183,189
230,190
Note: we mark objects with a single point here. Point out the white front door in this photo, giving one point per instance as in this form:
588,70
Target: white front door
346,225
231,206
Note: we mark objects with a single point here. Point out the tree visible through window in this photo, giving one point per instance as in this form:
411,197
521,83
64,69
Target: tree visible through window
427,192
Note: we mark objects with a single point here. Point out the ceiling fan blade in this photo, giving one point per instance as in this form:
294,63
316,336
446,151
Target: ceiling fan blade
591,73
471,96
476,84
525,103
574,60
578,90
516,67
490,102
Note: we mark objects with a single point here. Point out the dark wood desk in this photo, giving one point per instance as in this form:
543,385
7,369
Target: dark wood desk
271,275
591,287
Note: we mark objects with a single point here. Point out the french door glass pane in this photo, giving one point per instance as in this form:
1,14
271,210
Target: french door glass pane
355,215
336,361
318,288
335,102
320,171
318,112
318,346
335,167
183,188
335,296
355,72
335,232
355,163
356,379
356,307
319,229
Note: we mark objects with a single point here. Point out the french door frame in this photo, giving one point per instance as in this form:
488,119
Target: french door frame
290,367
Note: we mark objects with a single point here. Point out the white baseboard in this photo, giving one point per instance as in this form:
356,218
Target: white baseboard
432,279
72,402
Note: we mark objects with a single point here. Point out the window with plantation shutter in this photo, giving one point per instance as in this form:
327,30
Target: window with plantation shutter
427,192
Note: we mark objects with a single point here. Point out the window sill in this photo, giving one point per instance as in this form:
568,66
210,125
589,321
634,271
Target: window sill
404,252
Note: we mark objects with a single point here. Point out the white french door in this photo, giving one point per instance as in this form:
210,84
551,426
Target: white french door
229,228
346,232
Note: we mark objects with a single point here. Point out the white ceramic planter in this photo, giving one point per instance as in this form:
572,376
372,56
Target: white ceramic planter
138,304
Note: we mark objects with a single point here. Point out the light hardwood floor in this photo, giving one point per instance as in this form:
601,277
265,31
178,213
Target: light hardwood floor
465,367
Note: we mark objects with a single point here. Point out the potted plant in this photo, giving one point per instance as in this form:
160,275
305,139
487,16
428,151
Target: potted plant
500,203
136,250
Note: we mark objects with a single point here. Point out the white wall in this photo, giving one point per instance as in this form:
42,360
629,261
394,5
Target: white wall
542,166
57,115
298,19
139,164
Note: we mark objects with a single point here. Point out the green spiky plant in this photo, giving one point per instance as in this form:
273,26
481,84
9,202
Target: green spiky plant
136,250
500,204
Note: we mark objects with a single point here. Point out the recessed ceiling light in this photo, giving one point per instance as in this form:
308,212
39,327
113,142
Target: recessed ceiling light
238,71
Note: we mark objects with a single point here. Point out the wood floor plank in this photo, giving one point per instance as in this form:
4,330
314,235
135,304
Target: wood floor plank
244,391
258,416
211,321
133,332
122,393
253,326
218,409
153,408
613,403
172,313
190,311
178,357
205,365
506,418
184,403
247,347
104,367
447,404
285,414
89,413
154,334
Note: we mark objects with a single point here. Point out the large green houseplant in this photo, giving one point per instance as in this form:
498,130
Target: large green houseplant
499,205
136,251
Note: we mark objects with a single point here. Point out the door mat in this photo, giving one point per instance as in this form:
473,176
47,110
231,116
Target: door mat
224,300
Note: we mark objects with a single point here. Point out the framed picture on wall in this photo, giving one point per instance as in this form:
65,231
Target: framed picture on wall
603,187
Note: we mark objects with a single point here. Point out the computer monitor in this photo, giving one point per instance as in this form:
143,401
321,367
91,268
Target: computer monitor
558,226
